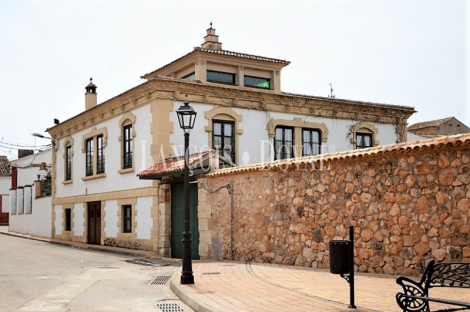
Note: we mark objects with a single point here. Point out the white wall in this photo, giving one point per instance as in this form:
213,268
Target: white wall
27,174
111,218
27,198
13,208
37,223
143,217
254,130
5,185
20,201
414,137
78,219
113,181
5,203
58,219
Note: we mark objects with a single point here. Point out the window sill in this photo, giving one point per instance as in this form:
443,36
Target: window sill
96,176
67,182
127,170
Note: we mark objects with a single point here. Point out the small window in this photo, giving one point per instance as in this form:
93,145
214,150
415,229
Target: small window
223,138
284,143
220,77
190,76
100,163
89,157
68,220
257,82
311,139
127,147
68,163
363,140
127,219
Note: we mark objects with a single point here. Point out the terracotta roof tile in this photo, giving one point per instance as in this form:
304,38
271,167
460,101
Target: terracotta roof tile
224,52
4,167
430,123
377,151
176,164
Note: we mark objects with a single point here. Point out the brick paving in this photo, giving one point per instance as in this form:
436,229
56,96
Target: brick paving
267,287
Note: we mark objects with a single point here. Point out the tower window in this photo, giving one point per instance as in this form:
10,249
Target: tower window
220,77
190,76
257,82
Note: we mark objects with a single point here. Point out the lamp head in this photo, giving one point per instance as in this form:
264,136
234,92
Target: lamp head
186,116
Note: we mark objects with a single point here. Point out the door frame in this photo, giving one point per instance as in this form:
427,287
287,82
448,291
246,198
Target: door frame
87,227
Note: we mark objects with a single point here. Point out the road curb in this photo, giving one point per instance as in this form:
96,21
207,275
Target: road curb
189,300
90,247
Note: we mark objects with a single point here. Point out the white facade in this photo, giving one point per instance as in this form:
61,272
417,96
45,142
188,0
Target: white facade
37,222
254,138
28,167
113,181
5,185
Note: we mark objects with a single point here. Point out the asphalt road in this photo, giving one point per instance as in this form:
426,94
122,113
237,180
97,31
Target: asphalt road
38,276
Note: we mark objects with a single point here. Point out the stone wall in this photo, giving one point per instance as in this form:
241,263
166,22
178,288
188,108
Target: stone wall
406,208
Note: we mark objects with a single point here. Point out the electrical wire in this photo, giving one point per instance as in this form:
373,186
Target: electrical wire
31,147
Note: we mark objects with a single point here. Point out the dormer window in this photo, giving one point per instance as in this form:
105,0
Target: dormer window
190,76
220,77
257,82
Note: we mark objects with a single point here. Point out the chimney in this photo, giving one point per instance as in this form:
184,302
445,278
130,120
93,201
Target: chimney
90,95
211,40
24,152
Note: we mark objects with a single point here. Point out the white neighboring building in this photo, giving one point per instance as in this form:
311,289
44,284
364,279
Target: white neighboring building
31,208
5,185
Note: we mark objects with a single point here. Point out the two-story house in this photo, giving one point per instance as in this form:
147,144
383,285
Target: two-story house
242,113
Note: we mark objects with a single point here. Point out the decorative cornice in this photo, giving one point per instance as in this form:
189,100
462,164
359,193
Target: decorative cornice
207,93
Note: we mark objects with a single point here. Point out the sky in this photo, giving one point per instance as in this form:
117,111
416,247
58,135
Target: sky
411,53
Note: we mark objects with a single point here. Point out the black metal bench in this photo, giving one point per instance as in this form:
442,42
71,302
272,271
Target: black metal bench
415,296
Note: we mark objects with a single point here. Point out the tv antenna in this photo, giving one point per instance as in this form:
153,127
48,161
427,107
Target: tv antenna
332,96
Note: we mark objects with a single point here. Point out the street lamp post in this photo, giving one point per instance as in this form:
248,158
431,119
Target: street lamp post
186,117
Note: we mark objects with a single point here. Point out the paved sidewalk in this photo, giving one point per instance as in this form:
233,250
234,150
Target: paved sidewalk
235,286
117,250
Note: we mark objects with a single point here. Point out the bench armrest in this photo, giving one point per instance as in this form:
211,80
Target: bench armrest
408,300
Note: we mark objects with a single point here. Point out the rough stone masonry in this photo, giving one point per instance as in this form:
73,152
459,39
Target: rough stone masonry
407,207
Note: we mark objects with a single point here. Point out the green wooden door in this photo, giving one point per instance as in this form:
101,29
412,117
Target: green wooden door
177,218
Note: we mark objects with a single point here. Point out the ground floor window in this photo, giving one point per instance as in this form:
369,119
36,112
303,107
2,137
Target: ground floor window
68,220
127,219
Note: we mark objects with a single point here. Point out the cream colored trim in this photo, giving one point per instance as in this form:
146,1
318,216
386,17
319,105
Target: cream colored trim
297,124
370,128
122,171
121,203
141,192
64,232
224,113
94,133
161,128
68,141
169,90
93,177
126,119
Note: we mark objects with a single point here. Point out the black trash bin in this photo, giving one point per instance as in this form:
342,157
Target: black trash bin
340,256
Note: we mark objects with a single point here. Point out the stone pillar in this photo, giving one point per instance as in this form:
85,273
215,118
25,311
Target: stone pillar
164,224
204,215
241,76
37,189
